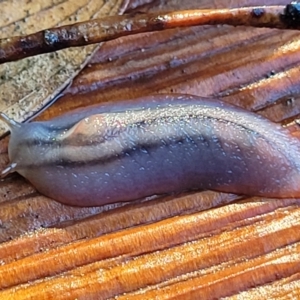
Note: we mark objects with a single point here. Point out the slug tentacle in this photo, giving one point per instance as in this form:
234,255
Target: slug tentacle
13,125
9,169
155,145
8,121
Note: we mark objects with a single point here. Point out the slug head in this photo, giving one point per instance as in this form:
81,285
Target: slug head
29,145
21,153
13,126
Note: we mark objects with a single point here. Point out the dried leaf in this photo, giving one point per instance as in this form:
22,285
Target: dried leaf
28,85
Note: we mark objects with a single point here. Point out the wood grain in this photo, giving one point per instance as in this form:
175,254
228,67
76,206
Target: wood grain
178,246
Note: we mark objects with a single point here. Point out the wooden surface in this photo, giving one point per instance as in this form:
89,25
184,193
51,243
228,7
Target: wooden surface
197,245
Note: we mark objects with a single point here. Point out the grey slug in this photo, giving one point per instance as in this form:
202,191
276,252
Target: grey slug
156,145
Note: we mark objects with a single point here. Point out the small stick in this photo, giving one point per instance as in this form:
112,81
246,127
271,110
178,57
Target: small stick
100,30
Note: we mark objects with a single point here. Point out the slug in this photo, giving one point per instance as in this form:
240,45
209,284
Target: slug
156,145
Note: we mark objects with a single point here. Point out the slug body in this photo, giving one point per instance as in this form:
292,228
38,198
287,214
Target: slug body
155,145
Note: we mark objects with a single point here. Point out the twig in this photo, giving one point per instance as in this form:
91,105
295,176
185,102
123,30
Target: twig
95,31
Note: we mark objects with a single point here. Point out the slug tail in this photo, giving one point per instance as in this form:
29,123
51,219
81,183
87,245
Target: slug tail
10,122
9,169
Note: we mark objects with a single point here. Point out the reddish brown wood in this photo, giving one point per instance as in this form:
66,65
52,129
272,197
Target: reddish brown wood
180,246
237,247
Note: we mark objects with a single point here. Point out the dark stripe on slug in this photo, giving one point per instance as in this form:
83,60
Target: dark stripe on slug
105,159
182,137
186,133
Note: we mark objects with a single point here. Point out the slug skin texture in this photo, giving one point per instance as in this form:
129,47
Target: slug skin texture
155,145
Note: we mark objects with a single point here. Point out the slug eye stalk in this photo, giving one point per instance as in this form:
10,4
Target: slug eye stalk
12,124
109,28
9,169
9,121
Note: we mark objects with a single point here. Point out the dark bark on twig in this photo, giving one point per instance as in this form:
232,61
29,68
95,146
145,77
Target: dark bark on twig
95,31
